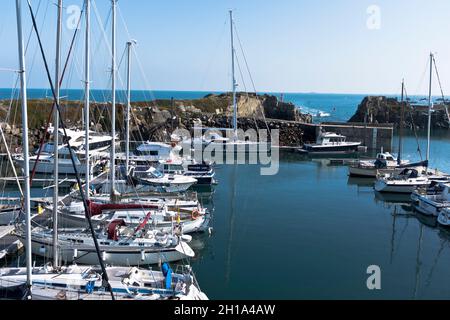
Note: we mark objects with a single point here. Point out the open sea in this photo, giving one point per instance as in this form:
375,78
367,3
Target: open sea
311,232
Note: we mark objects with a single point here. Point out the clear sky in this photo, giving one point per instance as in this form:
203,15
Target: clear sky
290,45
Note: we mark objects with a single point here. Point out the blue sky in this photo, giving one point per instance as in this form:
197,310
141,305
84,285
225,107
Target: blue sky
290,45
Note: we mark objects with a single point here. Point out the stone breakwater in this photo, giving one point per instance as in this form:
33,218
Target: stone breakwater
156,120
383,110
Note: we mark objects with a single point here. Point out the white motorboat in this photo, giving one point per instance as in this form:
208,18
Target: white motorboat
85,283
330,143
384,163
148,153
202,172
432,204
43,160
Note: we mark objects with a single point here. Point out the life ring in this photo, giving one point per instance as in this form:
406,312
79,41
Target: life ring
195,214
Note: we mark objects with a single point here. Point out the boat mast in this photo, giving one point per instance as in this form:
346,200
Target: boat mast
430,106
113,111
27,183
87,95
402,119
233,79
56,136
128,113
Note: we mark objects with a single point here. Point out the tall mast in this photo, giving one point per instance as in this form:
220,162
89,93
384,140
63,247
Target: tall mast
402,119
56,135
113,111
128,113
23,94
87,95
430,106
233,79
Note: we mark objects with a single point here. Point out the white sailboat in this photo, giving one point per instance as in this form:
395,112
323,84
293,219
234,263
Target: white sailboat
85,283
74,283
384,163
183,218
410,179
233,144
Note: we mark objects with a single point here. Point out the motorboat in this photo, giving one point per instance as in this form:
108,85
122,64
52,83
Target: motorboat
44,159
142,179
433,204
148,153
330,143
203,172
384,163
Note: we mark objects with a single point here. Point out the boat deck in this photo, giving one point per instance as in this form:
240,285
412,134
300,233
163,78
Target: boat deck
6,230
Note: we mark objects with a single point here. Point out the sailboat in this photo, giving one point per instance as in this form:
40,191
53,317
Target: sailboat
184,216
85,283
231,144
74,283
385,162
411,178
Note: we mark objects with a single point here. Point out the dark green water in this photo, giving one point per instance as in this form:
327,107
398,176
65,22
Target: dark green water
310,232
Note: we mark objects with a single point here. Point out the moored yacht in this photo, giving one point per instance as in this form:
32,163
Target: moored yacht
44,159
203,172
119,245
433,204
85,283
384,163
408,180
134,213
330,143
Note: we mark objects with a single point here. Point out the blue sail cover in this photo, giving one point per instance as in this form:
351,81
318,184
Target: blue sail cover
167,272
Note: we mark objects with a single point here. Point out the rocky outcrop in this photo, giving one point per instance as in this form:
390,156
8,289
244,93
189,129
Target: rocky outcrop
155,120
383,110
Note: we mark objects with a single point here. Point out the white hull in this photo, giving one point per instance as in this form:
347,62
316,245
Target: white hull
71,283
399,186
79,221
371,172
125,188
48,167
113,257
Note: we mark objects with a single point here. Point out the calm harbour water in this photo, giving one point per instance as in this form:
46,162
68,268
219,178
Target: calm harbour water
310,232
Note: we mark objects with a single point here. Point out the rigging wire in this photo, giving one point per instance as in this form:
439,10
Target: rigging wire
251,78
442,90
413,125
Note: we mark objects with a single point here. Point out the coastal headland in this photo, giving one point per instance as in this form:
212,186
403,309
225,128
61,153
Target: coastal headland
372,123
